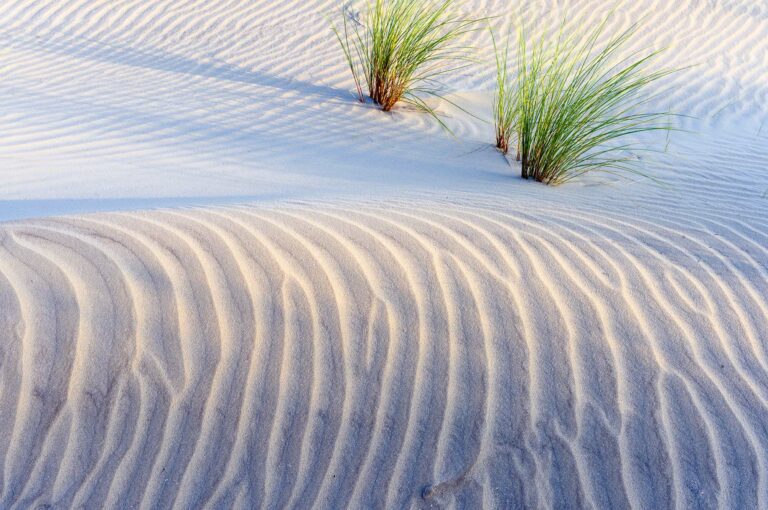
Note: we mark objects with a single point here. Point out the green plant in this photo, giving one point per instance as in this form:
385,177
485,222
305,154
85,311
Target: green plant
504,104
403,47
573,102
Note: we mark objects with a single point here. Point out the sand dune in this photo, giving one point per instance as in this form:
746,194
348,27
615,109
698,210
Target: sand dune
382,356
359,310
110,105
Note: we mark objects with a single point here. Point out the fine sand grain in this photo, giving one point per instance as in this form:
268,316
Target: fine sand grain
226,284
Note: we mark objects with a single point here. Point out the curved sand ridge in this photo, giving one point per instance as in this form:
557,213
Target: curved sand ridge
452,338
381,355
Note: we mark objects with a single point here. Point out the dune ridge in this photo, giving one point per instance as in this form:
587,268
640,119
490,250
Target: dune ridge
359,310
380,355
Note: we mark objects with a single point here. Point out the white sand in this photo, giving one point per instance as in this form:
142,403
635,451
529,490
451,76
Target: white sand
361,311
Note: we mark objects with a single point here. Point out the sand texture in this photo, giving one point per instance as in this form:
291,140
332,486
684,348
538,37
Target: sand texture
226,284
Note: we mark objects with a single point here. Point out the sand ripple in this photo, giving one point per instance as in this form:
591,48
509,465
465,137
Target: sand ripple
382,356
448,337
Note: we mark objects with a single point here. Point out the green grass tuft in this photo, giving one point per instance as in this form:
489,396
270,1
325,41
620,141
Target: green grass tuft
504,103
574,101
402,48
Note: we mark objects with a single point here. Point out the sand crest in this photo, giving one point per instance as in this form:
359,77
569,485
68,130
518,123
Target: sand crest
226,284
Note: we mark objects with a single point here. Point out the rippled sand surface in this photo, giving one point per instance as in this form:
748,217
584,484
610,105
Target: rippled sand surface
225,284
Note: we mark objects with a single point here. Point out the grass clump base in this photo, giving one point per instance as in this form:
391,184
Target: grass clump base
504,101
402,48
573,102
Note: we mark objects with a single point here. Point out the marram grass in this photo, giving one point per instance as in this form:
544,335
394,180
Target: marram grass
574,102
504,103
402,48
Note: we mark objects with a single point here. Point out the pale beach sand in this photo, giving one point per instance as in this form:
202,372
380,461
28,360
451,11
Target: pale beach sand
226,284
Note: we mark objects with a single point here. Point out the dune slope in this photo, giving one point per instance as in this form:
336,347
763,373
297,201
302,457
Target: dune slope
359,310
383,356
